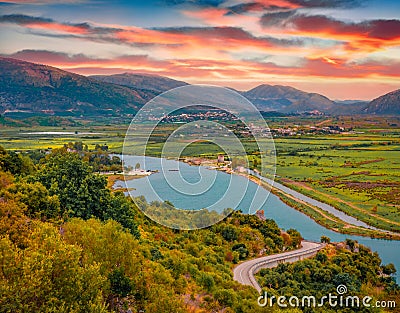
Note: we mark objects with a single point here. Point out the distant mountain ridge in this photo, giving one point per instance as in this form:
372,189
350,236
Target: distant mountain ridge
26,86
287,99
386,104
40,88
156,83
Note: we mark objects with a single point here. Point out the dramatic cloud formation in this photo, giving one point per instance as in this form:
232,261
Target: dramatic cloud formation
319,24
326,3
367,36
240,43
171,37
190,68
45,23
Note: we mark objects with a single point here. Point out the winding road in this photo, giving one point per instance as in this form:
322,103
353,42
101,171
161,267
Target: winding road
244,272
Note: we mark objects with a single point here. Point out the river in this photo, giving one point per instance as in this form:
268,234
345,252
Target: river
201,177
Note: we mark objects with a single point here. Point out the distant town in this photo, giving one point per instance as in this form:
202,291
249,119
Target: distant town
243,131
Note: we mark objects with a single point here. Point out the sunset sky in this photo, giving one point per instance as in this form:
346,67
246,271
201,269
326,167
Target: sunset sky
342,49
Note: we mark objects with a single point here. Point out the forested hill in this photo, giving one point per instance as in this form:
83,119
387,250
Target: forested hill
31,87
70,244
287,99
155,83
386,104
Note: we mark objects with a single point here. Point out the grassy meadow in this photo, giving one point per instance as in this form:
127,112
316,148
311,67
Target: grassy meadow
358,174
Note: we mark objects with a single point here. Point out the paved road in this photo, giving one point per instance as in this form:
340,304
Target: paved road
244,272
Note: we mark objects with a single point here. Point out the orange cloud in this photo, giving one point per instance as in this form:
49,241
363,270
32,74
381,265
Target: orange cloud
72,29
207,14
178,38
280,3
45,24
222,54
366,36
237,73
196,68
329,60
372,32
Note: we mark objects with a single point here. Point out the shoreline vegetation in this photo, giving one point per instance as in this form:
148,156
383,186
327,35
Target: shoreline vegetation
320,216
374,142
342,205
113,178
87,249
356,173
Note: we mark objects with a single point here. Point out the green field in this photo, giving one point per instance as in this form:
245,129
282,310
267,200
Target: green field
358,173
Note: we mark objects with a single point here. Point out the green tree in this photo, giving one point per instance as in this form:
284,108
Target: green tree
295,236
122,210
48,275
229,233
64,175
15,163
241,249
389,269
325,239
351,244
37,199
120,284
156,254
207,281
225,297
14,225
82,193
321,257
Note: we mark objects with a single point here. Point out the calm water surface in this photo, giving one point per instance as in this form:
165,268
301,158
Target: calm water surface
238,195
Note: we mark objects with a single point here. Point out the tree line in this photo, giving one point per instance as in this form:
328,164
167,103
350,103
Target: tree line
70,244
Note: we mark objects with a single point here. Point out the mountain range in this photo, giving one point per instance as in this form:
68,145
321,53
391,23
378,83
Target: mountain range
151,83
30,87
287,99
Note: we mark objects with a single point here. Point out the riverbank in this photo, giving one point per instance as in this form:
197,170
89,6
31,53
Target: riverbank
320,216
358,211
113,178
285,216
